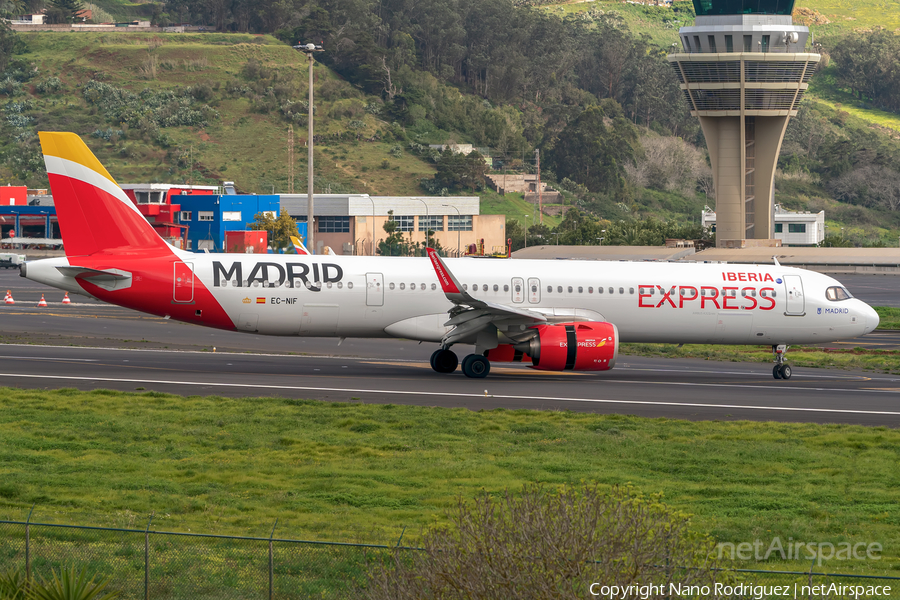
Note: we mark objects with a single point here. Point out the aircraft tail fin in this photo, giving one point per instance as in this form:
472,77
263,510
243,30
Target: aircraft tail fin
299,248
94,213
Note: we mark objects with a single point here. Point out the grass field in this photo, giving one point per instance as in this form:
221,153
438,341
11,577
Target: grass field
338,471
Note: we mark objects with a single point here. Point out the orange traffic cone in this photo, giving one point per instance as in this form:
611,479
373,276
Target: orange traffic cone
66,299
8,295
43,302
9,298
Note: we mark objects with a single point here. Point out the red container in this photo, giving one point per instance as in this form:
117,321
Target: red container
249,242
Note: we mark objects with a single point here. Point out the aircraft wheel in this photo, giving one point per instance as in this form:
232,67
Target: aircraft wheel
785,371
444,361
476,366
776,371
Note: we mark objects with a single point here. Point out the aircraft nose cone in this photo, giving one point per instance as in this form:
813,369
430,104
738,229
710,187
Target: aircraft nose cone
872,318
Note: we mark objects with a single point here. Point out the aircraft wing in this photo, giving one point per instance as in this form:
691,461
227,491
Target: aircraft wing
470,315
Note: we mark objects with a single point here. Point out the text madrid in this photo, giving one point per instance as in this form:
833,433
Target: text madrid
758,592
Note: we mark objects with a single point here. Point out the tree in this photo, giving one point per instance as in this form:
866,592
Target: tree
594,148
550,544
8,43
64,11
460,171
280,229
397,245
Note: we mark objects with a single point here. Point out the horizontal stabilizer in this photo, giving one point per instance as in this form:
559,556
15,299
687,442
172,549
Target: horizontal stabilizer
110,279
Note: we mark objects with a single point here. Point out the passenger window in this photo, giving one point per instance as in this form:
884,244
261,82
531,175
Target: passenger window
329,283
412,286
630,290
433,285
496,287
349,283
599,290
559,289
611,291
505,287
570,289
590,289
580,289
621,290
340,285
402,286
549,287
484,288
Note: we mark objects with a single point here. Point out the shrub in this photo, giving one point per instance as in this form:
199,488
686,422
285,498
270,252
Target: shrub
48,86
149,110
549,544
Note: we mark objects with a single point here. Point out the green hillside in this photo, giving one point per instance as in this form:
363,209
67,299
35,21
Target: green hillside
585,83
253,88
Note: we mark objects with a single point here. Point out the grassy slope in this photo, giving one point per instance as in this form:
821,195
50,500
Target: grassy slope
247,147
341,471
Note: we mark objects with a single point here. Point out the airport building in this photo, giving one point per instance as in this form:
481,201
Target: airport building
354,223
199,218
791,228
206,219
744,68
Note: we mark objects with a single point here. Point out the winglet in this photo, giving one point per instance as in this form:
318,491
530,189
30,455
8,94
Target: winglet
453,289
777,264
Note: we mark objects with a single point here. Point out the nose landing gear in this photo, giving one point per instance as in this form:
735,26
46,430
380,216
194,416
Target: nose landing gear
781,370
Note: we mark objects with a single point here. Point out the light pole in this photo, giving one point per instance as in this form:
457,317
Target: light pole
601,239
427,223
309,50
457,225
372,226
557,238
526,228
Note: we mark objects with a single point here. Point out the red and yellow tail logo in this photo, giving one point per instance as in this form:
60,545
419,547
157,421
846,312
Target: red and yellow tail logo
94,213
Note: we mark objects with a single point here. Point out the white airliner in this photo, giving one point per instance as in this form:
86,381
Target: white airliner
559,315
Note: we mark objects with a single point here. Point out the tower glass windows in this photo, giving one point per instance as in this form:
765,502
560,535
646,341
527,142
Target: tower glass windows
711,8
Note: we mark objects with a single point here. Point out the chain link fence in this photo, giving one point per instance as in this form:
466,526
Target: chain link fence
145,564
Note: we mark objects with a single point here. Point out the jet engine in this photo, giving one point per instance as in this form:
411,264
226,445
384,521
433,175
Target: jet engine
587,346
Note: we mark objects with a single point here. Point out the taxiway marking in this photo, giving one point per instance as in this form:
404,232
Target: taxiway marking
213,384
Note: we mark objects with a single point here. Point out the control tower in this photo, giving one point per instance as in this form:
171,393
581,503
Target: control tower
743,68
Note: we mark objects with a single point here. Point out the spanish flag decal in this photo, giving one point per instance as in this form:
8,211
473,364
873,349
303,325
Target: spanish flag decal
260,300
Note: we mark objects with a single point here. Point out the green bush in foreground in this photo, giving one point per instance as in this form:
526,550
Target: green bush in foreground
545,544
69,584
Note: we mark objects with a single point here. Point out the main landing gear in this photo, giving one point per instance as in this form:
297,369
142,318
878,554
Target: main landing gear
781,370
475,366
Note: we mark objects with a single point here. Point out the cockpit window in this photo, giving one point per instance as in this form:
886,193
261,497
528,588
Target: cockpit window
837,293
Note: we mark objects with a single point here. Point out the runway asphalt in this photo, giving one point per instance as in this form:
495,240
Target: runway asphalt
88,345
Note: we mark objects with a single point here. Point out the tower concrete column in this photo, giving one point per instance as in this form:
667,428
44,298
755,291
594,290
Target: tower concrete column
744,76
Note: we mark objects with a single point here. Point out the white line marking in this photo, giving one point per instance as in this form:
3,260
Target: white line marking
452,394
51,358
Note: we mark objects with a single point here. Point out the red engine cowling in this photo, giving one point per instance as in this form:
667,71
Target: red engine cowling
588,346
506,353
